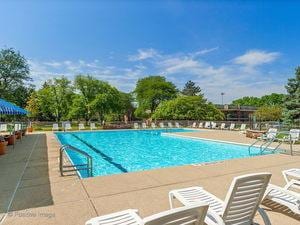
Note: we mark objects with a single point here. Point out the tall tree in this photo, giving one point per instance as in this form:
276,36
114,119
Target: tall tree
150,91
191,89
292,100
14,77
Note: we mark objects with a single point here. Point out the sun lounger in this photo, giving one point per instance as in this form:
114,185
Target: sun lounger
232,125
144,125
93,126
55,126
292,136
161,125
170,125
3,127
291,173
207,125
241,203
200,125
284,196
193,214
222,127
270,135
153,125
194,125
68,126
177,125
81,126
213,125
136,126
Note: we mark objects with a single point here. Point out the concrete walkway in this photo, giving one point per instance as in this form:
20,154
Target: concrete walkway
29,173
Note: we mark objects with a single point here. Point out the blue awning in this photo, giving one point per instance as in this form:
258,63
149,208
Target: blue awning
8,108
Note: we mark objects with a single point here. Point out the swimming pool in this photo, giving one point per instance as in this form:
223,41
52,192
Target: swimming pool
115,152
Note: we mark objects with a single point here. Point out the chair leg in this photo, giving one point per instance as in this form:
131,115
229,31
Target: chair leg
264,215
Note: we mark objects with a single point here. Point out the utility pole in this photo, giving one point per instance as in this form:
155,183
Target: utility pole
222,94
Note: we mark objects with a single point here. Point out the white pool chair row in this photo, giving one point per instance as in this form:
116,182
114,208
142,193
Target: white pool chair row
67,126
239,207
153,125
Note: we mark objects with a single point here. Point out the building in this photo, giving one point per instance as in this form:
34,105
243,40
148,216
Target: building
237,113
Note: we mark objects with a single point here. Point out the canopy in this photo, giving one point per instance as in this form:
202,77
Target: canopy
10,109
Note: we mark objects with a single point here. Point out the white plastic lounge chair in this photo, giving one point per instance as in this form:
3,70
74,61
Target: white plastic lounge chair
194,125
161,125
284,196
213,125
136,126
3,127
68,126
243,127
271,134
170,125
223,126
153,125
232,125
255,126
291,173
292,137
207,125
177,125
93,126
18,126
200,125
81,126
55,126
241,203
193,214
144,125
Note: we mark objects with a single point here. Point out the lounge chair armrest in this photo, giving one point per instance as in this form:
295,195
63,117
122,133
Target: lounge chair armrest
291,184
264,216
212,218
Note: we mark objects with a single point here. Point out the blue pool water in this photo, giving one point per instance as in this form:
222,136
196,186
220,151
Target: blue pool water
116,152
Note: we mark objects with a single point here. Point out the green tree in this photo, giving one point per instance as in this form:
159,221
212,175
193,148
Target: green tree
248,101
187,107
33,106
273,99
14,77
191,89
292,100
269,113
150,92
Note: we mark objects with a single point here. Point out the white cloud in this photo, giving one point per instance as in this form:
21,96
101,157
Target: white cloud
237,77
144,54
256,57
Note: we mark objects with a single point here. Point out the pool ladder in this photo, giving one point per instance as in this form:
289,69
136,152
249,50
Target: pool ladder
88,166
265,144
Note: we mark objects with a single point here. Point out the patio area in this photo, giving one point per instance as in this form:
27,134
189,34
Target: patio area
33,192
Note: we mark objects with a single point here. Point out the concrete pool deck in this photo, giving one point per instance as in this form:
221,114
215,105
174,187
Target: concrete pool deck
35,193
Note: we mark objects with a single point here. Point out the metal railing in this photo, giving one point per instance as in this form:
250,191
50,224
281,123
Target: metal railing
88,166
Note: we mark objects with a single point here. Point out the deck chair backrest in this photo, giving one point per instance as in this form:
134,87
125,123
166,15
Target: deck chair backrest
271,133
243,126
55,126
243,198
161,125
68,126
3,127
294,134
170,124
222,125
17,126
136,125
144,125
194,125
232,125
93,126
200,125
194,214
153,125
81,126
177,124
213,125
207,124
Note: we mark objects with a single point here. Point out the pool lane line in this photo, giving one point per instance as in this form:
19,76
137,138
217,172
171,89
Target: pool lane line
103,155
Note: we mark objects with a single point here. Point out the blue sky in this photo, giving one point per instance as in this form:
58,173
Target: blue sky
237,47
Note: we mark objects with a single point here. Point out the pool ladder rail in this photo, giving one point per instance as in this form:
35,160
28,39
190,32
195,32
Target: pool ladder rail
88,166
264,145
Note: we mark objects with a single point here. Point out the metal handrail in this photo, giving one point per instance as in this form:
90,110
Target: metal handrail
76,167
